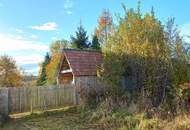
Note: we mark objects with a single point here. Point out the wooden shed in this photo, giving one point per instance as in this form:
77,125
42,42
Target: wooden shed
78,66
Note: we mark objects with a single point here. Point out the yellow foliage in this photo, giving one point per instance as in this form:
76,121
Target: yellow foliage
52,68
9,73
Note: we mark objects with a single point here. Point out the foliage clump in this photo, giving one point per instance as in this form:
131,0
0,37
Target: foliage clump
10,75
146,59
56,56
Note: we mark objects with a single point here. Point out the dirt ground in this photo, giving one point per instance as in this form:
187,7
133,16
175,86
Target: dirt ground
62,119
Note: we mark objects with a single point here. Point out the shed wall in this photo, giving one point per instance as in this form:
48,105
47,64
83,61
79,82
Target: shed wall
65,78
86,81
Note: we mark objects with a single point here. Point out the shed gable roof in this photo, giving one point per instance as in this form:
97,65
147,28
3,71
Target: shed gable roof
83,62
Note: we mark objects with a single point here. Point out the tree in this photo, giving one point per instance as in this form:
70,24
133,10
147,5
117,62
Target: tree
80,41
29,80
52,67
42,74
138,50
9,73
95,43
151,56
105,26
56,46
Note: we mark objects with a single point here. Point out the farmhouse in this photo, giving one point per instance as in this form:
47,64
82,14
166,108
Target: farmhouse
79,66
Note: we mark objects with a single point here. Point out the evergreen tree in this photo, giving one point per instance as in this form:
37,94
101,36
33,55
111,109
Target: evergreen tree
47,58
95,43
80,41
42,75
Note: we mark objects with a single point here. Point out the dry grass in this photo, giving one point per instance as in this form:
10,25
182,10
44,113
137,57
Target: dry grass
179,123
78,118
63,119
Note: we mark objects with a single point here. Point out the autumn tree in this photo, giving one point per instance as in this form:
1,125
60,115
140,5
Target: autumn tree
42,74
138,51
177,51
80,40
9,72
151,57
57,45
53,66
180,64
105,26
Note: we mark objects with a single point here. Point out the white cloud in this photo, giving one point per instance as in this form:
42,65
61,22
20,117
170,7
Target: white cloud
29,59
15,43
69,12
31,51
185,31
68,4
17,37
19,31
34,36
50,26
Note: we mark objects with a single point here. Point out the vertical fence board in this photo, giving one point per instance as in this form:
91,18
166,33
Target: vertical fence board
26,99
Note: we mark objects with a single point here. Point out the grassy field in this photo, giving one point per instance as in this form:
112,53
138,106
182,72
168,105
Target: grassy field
62,119
75,118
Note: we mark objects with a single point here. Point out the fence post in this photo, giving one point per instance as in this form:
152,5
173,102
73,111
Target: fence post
4,104
75,95
31,101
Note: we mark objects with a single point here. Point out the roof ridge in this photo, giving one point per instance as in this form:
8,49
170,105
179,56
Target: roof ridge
90,50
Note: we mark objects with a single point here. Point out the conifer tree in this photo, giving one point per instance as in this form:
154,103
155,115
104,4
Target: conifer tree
95,43
80,41
42,75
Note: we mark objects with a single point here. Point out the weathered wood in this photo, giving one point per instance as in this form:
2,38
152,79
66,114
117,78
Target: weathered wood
4,108
27,99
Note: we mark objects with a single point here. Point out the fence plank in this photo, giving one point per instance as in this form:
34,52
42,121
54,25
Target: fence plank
27,99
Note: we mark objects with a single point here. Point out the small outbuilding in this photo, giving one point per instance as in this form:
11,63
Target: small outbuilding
79,66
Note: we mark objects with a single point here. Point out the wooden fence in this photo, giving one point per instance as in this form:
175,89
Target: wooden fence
25,99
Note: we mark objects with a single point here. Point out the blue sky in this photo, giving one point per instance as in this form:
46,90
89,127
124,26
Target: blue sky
27,28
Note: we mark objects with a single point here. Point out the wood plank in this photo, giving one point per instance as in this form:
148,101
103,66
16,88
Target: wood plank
26,99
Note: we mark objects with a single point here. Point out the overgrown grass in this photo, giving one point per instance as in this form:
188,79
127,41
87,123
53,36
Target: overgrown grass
100,118
181,122
122,119
65,119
